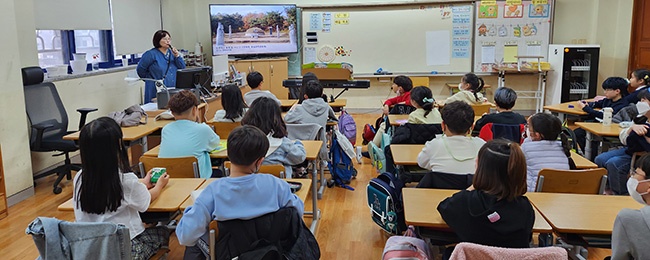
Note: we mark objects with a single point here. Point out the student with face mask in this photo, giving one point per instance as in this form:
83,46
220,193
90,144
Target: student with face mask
629,236
617,162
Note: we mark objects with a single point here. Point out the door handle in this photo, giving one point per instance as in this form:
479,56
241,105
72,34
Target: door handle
271,69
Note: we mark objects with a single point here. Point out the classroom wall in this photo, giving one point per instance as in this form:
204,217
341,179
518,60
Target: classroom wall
13,134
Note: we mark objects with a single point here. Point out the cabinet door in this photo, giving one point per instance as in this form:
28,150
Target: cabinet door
262,66
279,71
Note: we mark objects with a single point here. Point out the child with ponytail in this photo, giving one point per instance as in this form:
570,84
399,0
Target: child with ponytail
425,112
542,149
639,80
493,211
470,90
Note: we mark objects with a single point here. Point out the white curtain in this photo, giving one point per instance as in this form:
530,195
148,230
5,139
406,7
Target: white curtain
134,23
72,14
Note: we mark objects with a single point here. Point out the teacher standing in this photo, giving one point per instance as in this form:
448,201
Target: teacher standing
161,62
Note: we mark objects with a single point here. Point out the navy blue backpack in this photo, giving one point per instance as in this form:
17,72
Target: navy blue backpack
340,166
385,202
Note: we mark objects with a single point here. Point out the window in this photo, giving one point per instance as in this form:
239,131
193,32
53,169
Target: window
55,47
49,45
88,41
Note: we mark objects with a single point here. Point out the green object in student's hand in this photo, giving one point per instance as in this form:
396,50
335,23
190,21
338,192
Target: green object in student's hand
156,172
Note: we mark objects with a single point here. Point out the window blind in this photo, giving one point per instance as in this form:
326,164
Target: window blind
72,14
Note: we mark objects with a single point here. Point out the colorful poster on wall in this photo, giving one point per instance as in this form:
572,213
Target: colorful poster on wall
513,11
538,11
488,11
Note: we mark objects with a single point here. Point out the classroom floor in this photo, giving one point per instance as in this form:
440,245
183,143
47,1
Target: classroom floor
345,231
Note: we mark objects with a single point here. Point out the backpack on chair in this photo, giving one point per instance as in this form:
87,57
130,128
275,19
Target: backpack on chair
377,156
348,127
385,203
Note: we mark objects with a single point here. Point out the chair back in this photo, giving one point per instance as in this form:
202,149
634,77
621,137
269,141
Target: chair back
43,105
590,181
481,109
223,129
495,131
276,170
420,81
180,167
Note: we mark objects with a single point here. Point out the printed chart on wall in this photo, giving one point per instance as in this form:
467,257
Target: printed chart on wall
397,39
505,29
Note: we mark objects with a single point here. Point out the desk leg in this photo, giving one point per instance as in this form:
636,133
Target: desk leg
543,90
323,181
588,146
315,213
145,146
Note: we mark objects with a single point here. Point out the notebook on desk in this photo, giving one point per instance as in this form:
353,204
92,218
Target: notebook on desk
223,144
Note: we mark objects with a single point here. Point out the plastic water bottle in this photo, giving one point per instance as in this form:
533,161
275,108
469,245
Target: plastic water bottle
607,116
95,64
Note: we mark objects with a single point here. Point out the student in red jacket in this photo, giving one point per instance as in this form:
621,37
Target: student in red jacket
402,85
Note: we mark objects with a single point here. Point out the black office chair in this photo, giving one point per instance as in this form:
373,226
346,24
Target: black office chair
49,122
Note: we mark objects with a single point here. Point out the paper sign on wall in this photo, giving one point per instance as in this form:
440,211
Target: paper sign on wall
438,48
513,2
488,54
509,53
489,2
539,2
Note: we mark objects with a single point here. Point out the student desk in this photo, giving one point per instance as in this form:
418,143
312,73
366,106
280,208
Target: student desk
407,154
595,128
420,209
312,148
580,214
216,155
170,199
302,193
285,104
338,103
133,134
563,109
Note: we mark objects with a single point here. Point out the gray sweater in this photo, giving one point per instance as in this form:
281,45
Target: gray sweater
630,234
542,154
250,96
313,110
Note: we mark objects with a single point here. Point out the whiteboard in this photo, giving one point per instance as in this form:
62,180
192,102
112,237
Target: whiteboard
399,39
504,31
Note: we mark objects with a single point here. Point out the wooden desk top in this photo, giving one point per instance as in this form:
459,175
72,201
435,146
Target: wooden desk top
302,193
153,152
396,120
340,102
287,103
565,109
579,213
406,154
312,148
428,216
134,132
170,199
600,129
582,162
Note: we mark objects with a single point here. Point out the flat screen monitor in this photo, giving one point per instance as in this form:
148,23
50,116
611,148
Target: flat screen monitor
190,77
253,29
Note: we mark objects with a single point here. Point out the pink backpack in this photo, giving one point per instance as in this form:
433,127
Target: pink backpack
403,247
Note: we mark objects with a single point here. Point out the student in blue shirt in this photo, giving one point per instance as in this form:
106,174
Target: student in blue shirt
244,194
161,62
186,137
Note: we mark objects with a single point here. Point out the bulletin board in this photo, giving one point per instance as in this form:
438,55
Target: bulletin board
398,38
504,29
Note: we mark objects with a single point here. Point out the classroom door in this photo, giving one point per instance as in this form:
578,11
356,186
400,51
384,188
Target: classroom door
640,43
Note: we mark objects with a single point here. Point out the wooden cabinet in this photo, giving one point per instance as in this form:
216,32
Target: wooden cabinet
274,71
3,191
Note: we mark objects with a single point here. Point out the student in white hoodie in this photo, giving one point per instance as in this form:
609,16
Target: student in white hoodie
313,108
454,152
631,227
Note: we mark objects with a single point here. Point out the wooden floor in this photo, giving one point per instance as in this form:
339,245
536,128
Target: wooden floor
345,231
